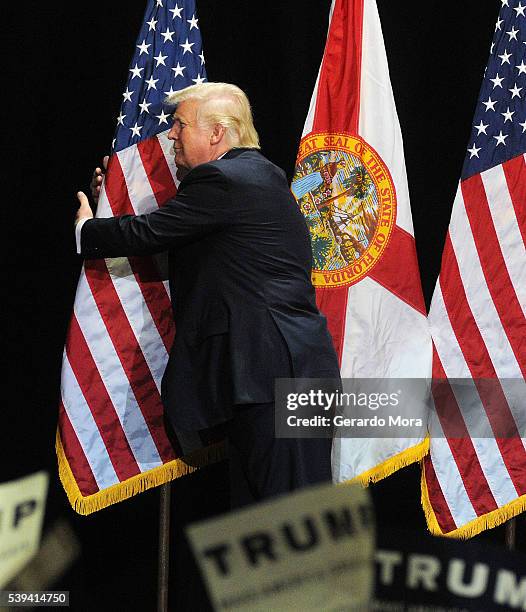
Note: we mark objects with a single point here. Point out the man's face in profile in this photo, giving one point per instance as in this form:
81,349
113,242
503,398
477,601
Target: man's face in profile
192,144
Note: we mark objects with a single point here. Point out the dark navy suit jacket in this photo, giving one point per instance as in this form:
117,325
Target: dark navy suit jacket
239,270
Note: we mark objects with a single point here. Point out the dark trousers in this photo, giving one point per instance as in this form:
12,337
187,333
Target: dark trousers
263,466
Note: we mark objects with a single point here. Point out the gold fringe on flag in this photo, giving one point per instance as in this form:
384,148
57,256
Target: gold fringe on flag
476,526
137,484
391,465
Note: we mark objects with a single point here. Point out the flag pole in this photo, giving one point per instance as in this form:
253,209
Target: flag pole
510,534
164,548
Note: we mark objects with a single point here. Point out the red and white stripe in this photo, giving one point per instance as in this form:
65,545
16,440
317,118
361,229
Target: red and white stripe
478,326
378,325
111,416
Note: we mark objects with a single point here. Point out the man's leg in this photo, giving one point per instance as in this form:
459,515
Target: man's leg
262,465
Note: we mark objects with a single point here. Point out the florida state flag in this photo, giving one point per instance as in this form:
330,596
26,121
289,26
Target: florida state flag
350,183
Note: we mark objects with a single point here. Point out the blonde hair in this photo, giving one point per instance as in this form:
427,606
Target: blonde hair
225,104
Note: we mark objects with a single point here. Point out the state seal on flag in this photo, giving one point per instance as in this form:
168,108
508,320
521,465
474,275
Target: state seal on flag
348,198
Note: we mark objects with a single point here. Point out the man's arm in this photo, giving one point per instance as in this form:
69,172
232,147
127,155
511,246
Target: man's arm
200,207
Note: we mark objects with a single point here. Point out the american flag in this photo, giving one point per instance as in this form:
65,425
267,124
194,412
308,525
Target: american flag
477,314
111,441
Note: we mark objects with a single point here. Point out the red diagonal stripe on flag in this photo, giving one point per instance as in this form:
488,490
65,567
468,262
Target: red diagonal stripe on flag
157,170
130,354
76,458
333,303
515,173
478,360
494,267
338,98
154,293
337,110
144,269
101,406
440,507
117,189
460,442
398,271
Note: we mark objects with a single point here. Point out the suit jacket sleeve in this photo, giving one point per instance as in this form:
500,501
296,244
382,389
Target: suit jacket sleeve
200,207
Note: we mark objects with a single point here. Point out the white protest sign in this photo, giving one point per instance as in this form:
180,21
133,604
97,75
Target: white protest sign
22,504
310,550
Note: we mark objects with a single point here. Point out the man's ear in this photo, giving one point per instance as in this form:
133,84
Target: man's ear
217,134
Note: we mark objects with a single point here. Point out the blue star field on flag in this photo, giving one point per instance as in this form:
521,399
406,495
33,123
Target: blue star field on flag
499,126
168,57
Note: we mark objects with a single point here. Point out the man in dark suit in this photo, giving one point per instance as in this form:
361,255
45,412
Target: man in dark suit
239,267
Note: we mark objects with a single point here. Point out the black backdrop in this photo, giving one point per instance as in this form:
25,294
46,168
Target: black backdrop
67,74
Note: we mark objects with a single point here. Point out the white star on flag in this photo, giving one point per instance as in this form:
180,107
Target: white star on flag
136,129
490,104
167,35
160,59
500,138
513,33
176,12
136,71
497,81
481,128
474,151
187,46
515,91
127,95
143,47
144,106
163,118
178,70
151,83
193,22
507,115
